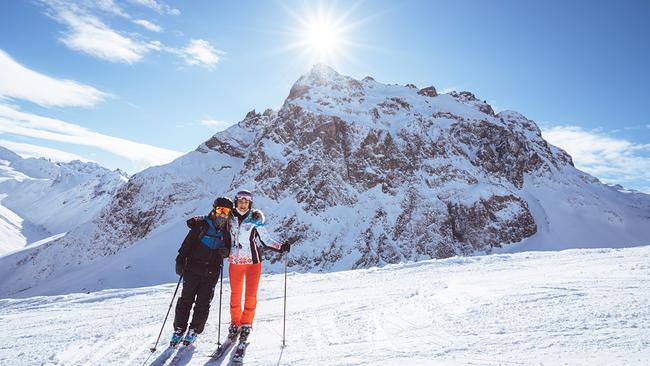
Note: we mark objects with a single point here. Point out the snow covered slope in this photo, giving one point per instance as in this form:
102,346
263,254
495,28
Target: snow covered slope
40,198
353,173
576,307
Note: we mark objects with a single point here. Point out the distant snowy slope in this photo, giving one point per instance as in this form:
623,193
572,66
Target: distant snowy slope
575,307
353,174
40,198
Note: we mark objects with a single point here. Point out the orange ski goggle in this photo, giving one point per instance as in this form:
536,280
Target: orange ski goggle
222,211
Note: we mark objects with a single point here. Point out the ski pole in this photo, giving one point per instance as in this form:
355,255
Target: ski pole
220,295
284,321
153,349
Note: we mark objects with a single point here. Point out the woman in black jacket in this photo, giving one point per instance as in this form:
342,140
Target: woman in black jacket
199,261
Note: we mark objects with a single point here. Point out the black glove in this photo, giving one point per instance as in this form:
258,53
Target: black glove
223,252
180,267
285,248
193,221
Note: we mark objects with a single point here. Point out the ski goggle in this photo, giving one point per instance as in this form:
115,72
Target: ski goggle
222,211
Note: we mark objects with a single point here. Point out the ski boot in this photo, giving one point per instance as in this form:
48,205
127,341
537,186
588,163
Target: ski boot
240,351
190,337
233,332
244,332
176,337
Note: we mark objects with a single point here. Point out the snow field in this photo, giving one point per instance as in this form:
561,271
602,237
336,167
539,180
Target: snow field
575,307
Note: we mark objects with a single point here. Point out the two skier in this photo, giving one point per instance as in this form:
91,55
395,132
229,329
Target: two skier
231,232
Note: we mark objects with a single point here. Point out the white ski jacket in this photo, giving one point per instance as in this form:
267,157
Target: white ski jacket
244,249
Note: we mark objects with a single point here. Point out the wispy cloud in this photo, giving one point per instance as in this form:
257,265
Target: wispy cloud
611,159
215,124
158,6
108,6
35,151
88,34
628,128
15,122
148,25
19,82
200,52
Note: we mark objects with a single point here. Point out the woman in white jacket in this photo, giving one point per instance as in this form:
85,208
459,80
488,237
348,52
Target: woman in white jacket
245,263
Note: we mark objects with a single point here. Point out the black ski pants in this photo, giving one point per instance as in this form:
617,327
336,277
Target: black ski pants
197,290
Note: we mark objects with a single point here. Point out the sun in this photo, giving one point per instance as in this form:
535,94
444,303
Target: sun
322,35
322,40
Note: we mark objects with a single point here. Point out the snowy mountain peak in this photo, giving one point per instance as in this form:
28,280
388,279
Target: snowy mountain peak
323,72
8,155
325,79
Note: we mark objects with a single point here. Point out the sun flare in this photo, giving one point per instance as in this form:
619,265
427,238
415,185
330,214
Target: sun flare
322,34
322,40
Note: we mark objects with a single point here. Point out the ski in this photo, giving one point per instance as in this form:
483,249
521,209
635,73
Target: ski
181,355
163,357
238,356
222,350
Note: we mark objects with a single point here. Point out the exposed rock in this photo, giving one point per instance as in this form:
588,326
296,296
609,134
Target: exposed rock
429,91
298,91
252,114
470,99
493,222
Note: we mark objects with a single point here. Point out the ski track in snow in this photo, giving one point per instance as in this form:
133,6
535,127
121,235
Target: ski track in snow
576,307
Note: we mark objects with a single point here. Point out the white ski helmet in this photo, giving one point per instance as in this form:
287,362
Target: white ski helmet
244,194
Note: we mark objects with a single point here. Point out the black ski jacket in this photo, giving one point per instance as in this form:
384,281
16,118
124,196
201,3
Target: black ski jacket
197,258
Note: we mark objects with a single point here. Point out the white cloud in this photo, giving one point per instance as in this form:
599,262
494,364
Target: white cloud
17,81
200,52
158,6
148,25
35,151
215,124
15,122
611,159
87,33
109,6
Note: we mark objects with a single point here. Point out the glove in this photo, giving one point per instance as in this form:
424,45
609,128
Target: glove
285,248
223,252
193,221
180,266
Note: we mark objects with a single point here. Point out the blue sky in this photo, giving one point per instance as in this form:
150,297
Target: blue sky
134,83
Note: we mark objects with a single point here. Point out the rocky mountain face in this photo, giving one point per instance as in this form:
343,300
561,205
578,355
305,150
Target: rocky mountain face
355,173
447,165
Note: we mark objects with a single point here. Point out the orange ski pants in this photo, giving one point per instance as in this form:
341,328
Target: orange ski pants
238,274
